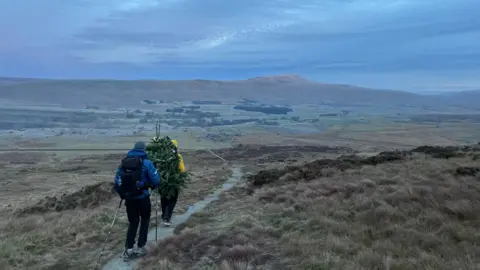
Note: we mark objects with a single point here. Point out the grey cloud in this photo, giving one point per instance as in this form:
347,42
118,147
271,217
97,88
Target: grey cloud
111,38
187,36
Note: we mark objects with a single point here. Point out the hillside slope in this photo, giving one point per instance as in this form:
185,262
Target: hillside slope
470,99
286,89
406,210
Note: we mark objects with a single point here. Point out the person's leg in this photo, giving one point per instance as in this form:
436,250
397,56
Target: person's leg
145,212
170,206
163,202
133,220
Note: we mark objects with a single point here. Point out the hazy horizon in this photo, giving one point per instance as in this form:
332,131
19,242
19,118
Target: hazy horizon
421,91
407,45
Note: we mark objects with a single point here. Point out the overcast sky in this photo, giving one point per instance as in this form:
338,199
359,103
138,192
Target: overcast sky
401,44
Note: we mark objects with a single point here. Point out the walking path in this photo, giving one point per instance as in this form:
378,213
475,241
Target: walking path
117,263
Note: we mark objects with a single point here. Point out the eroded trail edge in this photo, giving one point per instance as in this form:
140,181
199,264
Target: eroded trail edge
117,263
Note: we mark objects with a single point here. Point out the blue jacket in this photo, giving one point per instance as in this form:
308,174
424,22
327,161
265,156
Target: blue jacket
150,174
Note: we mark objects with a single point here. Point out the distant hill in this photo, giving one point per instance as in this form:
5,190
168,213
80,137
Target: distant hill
466,94
283,89
10,81
470,99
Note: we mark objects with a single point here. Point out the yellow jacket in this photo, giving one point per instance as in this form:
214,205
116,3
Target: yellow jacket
181,165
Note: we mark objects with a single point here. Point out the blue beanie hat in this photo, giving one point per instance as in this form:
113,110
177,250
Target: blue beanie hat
140,146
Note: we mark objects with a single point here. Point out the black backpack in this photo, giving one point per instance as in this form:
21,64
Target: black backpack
131,168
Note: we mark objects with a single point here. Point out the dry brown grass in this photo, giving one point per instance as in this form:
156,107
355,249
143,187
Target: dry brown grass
56,215
57,240
413,213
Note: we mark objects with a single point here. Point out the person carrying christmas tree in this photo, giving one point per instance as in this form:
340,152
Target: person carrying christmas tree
163,152
168,201
135,175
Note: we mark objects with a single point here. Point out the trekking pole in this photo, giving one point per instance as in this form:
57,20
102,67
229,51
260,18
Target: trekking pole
156,217
109,231
157,130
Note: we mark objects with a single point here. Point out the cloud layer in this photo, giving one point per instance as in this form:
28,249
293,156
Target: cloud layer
403,44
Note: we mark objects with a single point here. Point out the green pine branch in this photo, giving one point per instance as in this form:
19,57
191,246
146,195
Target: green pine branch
160,152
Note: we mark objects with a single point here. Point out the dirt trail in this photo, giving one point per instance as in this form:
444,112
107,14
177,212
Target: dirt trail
117,263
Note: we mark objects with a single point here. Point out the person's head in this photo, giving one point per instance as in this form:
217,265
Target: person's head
140,146
175,143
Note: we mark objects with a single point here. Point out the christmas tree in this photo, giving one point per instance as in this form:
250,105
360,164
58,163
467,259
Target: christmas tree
164,154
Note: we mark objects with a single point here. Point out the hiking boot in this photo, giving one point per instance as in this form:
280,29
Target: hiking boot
128,255
166,223
141,251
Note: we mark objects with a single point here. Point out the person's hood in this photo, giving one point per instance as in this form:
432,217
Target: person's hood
175,143
137,153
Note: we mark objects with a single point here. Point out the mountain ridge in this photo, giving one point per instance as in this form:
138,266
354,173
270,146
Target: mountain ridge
286,89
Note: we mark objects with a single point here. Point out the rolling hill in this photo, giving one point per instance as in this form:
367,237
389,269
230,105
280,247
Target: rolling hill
281,90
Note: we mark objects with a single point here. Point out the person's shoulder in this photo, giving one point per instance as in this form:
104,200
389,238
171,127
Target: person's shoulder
148,163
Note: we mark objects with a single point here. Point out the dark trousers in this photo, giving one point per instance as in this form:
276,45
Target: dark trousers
168,204
138,211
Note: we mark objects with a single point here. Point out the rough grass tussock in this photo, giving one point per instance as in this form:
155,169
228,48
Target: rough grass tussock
87,197
41,231
467,171
446,151
322,167
414,213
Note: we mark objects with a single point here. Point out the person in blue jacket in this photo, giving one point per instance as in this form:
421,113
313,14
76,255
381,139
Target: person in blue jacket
135,176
